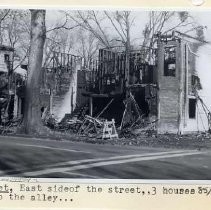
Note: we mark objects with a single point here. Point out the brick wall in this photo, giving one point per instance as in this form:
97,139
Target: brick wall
170,90
174,92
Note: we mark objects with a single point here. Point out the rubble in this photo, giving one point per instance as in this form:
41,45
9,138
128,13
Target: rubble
91,125
133,122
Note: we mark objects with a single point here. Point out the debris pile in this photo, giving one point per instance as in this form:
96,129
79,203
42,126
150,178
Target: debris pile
133,123
132,115
91,126
98,128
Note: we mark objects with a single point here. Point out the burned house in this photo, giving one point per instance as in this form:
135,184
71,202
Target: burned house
158,86
162,82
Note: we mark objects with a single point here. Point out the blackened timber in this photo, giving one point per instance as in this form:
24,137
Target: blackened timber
141,85
100,95
191,37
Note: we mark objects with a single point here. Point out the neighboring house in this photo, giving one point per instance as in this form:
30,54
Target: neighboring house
19,78
12,85
6,95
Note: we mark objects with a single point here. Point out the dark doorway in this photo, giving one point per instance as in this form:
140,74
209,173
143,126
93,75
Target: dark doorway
192,108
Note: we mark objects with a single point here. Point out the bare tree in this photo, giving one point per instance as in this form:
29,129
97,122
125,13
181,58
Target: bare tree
107,27
87,47
90,21
53,43
167,21
16,32
58,37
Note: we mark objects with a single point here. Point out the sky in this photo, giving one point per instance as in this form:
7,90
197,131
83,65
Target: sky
141,18
203,60
204,19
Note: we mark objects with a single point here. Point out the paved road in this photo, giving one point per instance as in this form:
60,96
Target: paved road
47,158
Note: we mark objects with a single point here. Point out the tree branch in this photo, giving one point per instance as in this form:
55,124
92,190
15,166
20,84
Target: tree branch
4,16
63,26
100,28
112,22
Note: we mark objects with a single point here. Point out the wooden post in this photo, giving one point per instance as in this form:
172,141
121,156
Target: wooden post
186,85
51,101
181,73
91,106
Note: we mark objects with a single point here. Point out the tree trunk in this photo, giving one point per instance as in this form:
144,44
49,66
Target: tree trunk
32,114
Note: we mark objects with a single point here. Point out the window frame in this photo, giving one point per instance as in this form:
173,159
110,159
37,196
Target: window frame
167,72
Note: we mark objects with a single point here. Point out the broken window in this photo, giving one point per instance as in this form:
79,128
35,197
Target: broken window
170,61
6,57
192,108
